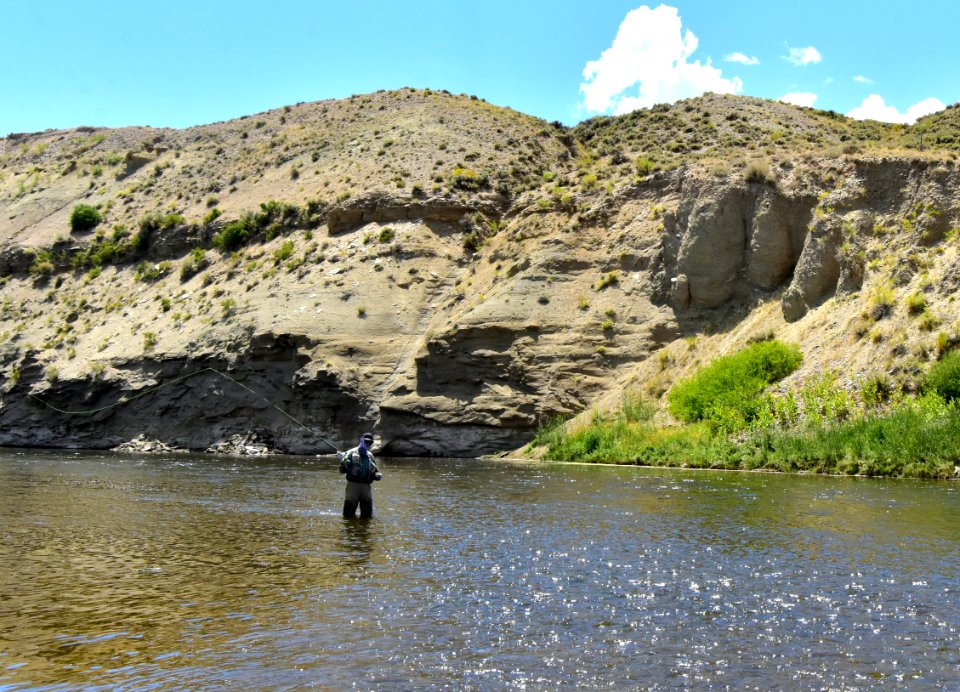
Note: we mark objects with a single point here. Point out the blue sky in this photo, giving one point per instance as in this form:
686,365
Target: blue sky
176,63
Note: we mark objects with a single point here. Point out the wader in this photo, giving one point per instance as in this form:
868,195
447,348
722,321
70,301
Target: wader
358,494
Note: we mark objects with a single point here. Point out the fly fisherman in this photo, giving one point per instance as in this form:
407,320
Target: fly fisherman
361,470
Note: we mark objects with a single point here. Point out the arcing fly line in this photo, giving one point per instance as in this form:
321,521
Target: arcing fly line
174,381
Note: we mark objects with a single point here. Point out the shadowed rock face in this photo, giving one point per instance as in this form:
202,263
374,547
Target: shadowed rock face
186,405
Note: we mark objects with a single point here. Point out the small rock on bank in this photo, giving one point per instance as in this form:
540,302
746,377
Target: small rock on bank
250,444
142,444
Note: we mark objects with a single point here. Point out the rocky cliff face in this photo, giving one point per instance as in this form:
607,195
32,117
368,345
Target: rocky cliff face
454,317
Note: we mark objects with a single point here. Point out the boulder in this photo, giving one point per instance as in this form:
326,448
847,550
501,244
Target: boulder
680,292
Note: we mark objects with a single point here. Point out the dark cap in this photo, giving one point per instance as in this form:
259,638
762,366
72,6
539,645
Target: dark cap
367,436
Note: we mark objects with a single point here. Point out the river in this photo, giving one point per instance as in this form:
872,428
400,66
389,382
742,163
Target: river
187,572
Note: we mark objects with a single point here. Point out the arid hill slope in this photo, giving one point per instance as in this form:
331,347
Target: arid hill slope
455,273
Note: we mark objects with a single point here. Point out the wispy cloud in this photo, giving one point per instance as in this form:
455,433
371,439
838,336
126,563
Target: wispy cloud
742,58
649,63
863,80
799,98
875,108
802,56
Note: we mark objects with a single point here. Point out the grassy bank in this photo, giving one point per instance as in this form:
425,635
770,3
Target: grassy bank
820,427
916,440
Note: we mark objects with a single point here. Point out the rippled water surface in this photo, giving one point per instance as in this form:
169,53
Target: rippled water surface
183,572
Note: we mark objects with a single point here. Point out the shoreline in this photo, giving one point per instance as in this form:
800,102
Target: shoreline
776,472
527,461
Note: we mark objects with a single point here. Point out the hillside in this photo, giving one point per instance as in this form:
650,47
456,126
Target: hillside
455,273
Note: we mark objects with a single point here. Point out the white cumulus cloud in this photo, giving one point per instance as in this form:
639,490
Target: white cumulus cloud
648,63
803,56
875,108
799,98
863,80
743,59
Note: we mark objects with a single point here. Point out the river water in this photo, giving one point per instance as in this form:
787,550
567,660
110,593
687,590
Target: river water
181,572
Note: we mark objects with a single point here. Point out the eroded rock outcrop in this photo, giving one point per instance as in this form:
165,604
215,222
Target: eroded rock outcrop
381,207
736,236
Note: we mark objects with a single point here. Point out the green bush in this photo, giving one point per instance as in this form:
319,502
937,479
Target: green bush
228,306
623,440
472,241
944,377
273,219
875,390
43,265
211,216
284,252
149,224
84,218
101,251
156,221
726,392
916,303
234,234
633,409
608,279
283,213
645,166
152,272
882,300
917,437
195,263
468,179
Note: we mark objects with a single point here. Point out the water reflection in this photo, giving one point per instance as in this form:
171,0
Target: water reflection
357,542
182,572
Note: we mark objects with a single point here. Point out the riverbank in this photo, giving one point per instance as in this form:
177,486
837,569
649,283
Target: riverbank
917,437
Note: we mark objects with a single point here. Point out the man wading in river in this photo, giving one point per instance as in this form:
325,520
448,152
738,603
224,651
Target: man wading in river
361,470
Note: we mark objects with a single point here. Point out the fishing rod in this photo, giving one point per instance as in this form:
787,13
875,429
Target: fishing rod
176,380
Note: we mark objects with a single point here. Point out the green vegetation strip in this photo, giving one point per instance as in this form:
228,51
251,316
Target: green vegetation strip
920,440
819,429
